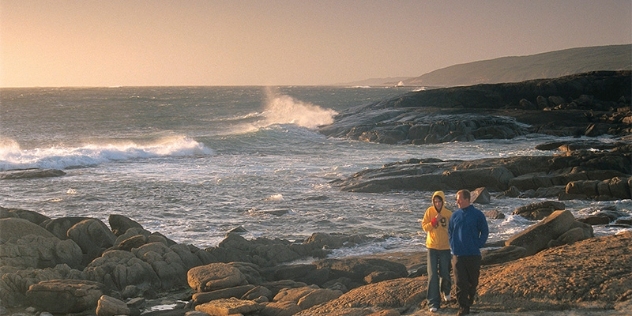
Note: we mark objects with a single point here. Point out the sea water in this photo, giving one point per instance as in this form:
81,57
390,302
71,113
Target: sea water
193,163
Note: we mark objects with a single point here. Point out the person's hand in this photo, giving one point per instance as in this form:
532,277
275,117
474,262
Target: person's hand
436,220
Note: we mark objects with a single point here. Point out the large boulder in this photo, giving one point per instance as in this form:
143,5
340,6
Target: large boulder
120,224
65,296
27,245
59,226
537,237
31,216
13,285
214,276
166,263
15,228
93,236
117,269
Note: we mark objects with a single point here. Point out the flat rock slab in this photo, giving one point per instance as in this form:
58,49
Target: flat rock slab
229,306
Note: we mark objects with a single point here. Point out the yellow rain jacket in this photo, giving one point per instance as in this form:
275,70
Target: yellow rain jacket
437,237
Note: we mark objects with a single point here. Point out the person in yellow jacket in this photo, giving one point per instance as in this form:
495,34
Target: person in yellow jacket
435,224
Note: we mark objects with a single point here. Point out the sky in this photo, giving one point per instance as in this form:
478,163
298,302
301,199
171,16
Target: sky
81,43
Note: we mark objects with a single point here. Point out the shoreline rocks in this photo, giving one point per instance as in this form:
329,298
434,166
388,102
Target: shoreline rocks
580,174
589,104
120,281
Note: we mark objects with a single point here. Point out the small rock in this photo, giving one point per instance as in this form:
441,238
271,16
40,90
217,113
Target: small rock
109,306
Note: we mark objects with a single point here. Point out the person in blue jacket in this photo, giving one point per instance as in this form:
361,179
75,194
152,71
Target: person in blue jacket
467,232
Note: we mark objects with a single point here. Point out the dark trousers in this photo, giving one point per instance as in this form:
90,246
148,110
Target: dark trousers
466,272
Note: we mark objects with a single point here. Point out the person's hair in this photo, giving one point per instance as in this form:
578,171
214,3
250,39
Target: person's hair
464,193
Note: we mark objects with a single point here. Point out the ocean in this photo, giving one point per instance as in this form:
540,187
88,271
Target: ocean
194,163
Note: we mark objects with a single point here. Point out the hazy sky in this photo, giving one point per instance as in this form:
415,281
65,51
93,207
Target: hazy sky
291,42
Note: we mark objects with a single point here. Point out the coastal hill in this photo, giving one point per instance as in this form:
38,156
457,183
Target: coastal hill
520,68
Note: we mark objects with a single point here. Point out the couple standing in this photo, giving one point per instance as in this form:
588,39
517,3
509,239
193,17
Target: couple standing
457,236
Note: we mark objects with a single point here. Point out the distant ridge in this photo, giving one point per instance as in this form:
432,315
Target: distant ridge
520,68
376,82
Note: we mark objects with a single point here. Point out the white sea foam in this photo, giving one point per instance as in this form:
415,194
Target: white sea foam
284,109
61,157
280,109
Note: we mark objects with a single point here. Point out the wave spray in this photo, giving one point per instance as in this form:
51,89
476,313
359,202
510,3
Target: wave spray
283,109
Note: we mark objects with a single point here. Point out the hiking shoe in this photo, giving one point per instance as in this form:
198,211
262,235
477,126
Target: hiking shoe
433,309
447,297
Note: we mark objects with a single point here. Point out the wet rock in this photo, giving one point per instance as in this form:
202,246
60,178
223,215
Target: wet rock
494,214
579,174
480,196
495,111
615,188
512,192
595,220
494,178
30,174
539,210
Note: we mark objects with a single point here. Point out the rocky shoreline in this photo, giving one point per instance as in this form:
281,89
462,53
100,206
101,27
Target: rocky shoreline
83,266
589,104
554,265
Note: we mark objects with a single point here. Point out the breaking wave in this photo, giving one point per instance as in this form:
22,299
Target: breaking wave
60,157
